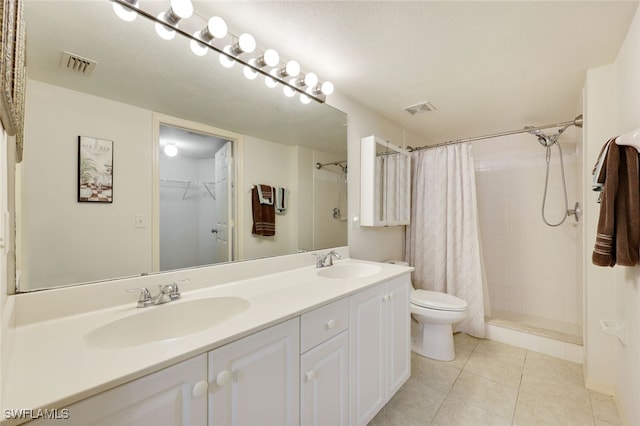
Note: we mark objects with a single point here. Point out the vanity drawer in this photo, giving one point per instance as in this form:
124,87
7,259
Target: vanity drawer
323,323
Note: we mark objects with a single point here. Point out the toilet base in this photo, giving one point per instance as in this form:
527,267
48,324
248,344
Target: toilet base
433,341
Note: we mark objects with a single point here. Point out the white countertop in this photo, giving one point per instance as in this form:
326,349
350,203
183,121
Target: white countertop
51,366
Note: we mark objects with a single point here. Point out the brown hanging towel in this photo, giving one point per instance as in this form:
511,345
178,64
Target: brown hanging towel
264,212
618,234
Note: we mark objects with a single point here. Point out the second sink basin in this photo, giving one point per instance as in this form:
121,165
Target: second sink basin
349,270
167,321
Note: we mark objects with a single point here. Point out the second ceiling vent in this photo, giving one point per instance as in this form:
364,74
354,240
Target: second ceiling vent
420,108
77,63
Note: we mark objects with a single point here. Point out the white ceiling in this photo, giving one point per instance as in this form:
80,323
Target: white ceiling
487,66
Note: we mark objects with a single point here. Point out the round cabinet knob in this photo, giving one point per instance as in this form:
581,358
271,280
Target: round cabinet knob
390,295
385,297
311,374
330,324
200,389
223,377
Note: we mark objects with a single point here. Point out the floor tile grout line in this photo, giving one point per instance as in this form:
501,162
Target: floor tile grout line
450,387
515,408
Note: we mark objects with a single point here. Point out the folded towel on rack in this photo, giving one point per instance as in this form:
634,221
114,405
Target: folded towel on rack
618,234
265,194
281,205
264,215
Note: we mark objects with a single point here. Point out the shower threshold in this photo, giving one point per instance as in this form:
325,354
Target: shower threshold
552,329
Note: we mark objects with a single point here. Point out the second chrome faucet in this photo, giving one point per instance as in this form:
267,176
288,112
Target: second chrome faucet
324,260
166,293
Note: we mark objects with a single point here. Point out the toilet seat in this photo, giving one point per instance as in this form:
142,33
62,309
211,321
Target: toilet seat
438,301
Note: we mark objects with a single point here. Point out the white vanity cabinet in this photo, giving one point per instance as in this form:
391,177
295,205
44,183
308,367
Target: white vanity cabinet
324,366
254,380
174,396
336,365
380,355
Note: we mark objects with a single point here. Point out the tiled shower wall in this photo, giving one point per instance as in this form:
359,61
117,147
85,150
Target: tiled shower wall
530,267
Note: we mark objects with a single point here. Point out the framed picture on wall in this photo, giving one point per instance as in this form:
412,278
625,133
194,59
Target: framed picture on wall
95,170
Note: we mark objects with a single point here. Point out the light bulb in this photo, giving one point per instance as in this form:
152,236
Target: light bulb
125,14
304,98
183,9
249,73
217,27
288,91
310,79
271,82
327,88
225,60
198,48
170,150
245,44
292,68
163,30
270,58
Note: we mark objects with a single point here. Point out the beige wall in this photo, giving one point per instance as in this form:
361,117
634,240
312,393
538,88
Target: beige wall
612,107
628,285
55,239
276,165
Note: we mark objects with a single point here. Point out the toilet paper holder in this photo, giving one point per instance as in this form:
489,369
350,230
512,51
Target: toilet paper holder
615,328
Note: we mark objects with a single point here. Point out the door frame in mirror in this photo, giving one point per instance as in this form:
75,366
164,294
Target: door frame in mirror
238,203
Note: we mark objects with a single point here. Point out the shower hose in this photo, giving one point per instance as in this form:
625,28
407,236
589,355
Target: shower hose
546,185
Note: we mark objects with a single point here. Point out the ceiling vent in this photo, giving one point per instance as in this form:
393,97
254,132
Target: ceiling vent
419,108
77,64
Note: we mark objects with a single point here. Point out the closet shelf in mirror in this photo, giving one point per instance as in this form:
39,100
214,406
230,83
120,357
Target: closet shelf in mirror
189,184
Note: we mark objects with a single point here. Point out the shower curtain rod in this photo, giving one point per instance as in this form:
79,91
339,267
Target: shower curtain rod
575,122
332,163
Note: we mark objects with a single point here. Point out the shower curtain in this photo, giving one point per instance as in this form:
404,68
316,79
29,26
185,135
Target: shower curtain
442,241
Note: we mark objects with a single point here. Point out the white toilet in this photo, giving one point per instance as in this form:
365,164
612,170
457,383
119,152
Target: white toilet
433,314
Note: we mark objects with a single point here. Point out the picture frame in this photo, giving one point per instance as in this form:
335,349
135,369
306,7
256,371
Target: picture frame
95,170
12,71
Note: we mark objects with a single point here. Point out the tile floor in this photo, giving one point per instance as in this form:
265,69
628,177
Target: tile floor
491,383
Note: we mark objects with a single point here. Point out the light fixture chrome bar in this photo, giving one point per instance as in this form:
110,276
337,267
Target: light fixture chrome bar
576,122
318,98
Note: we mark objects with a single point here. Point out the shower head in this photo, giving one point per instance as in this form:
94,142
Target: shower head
542,138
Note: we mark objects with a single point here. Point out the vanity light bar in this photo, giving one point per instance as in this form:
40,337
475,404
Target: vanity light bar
309,88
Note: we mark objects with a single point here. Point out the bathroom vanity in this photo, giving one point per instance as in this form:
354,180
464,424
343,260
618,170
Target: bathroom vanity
312,346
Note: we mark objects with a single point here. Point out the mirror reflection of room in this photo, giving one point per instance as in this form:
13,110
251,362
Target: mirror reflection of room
116,100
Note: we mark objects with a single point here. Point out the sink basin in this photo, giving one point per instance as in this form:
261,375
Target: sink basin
167,321
349,270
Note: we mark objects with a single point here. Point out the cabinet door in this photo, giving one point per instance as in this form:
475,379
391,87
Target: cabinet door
367,354
398,334
324,383
254,380
167,397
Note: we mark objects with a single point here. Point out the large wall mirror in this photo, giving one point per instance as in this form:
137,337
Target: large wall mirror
136,84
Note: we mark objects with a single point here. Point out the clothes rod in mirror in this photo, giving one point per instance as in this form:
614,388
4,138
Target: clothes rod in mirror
306,85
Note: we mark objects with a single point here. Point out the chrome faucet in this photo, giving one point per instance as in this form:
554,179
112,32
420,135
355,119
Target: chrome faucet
166,293
324,260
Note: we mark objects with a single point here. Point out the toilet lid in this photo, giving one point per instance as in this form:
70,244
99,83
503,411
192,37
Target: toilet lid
437,300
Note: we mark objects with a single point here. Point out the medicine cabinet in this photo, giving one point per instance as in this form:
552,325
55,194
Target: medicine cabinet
385,176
